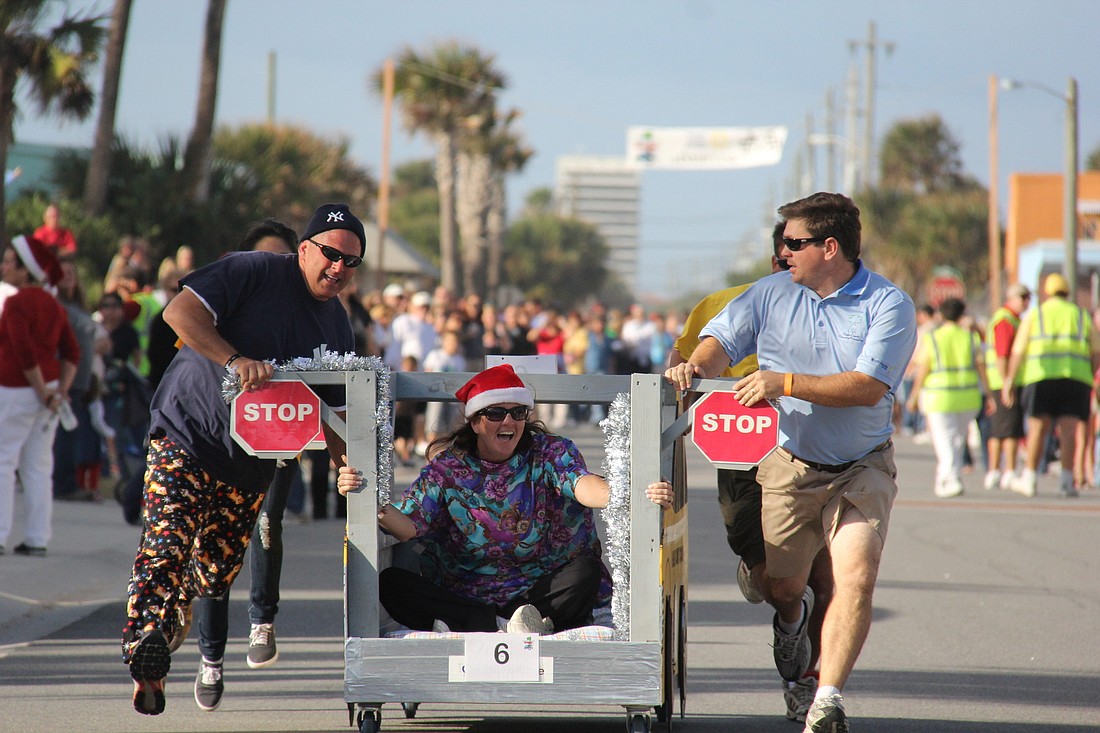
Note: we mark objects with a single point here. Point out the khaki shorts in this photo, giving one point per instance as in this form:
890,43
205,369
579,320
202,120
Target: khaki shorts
802,506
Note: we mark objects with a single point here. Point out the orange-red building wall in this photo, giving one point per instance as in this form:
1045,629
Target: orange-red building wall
1035,210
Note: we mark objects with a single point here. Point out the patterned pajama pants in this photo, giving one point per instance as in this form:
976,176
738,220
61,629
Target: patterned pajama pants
196,530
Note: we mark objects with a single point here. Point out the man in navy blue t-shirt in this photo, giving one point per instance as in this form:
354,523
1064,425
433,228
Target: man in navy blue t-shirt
202,491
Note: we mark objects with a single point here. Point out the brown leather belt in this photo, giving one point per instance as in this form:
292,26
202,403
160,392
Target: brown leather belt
841,467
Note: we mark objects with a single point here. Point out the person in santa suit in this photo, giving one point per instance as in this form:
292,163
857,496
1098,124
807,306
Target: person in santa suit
38,360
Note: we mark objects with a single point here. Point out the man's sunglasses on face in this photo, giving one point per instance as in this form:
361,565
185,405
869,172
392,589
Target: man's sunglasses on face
796,244
334,255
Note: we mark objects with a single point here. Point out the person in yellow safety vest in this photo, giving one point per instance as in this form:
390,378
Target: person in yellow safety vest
951,379
1057,352
1006,424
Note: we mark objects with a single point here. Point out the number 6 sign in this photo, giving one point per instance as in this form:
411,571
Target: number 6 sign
502,658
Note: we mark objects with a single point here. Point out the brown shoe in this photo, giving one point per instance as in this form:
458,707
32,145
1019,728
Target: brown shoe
183,628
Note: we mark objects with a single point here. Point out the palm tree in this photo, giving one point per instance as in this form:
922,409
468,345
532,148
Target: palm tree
488,153
508,154
198,157
921,156
472,203
99,167
55,62
440,91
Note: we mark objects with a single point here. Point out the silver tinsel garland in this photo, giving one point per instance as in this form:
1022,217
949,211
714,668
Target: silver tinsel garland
330,361
616,515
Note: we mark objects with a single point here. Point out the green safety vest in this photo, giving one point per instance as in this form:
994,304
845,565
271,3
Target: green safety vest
1059,343
992,370
952,383
150,306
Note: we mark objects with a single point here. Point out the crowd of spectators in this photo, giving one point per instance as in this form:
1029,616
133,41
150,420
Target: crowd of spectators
409,325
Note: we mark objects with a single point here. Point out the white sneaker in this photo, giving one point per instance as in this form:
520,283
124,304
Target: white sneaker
1007,478
992,480
527,620
1025,483
949,489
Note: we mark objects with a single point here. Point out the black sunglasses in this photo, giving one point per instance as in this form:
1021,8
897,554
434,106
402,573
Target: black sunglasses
334,255
796,244
497,414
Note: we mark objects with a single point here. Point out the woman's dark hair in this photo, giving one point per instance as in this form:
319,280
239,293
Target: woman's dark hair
463,439
268,228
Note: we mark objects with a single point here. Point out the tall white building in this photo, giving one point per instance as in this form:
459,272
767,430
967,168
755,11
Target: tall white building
605,192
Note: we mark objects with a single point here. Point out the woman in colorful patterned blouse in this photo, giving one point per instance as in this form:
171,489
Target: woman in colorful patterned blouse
505,512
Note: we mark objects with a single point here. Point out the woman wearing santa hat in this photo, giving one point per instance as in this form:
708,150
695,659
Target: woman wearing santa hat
506,511
38,358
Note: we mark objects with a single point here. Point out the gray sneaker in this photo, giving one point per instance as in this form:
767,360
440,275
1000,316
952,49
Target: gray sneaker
792,651
209,686
799,696
262,651
1066,488
747,585
827,716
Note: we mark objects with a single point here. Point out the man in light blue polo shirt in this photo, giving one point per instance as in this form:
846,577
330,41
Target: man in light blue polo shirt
833,340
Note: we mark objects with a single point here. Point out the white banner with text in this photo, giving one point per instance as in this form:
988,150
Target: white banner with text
704,148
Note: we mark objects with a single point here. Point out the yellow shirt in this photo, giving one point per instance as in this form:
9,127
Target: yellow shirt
574,348
700,316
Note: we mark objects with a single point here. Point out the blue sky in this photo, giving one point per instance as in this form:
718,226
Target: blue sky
582,71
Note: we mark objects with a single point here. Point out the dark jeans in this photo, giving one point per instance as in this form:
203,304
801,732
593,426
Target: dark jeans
320,487
265,563
68,447
567,596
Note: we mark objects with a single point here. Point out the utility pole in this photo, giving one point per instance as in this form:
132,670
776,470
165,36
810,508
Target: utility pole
851,113
809,180
871,45
994,224
384,170
271,87
830,149
1071,189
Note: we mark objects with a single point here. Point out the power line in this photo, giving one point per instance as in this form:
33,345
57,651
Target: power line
447,76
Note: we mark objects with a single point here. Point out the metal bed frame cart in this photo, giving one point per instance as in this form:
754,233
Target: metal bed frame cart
640,669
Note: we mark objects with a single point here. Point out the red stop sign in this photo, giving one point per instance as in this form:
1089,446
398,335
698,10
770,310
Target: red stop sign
277,420
732,435
943,287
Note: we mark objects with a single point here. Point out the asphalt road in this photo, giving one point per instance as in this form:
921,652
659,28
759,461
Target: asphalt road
987,618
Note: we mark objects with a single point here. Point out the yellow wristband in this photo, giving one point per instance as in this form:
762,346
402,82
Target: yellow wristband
788,384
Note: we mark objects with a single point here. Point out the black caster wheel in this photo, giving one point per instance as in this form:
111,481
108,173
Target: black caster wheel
410,708
638,724
370,721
